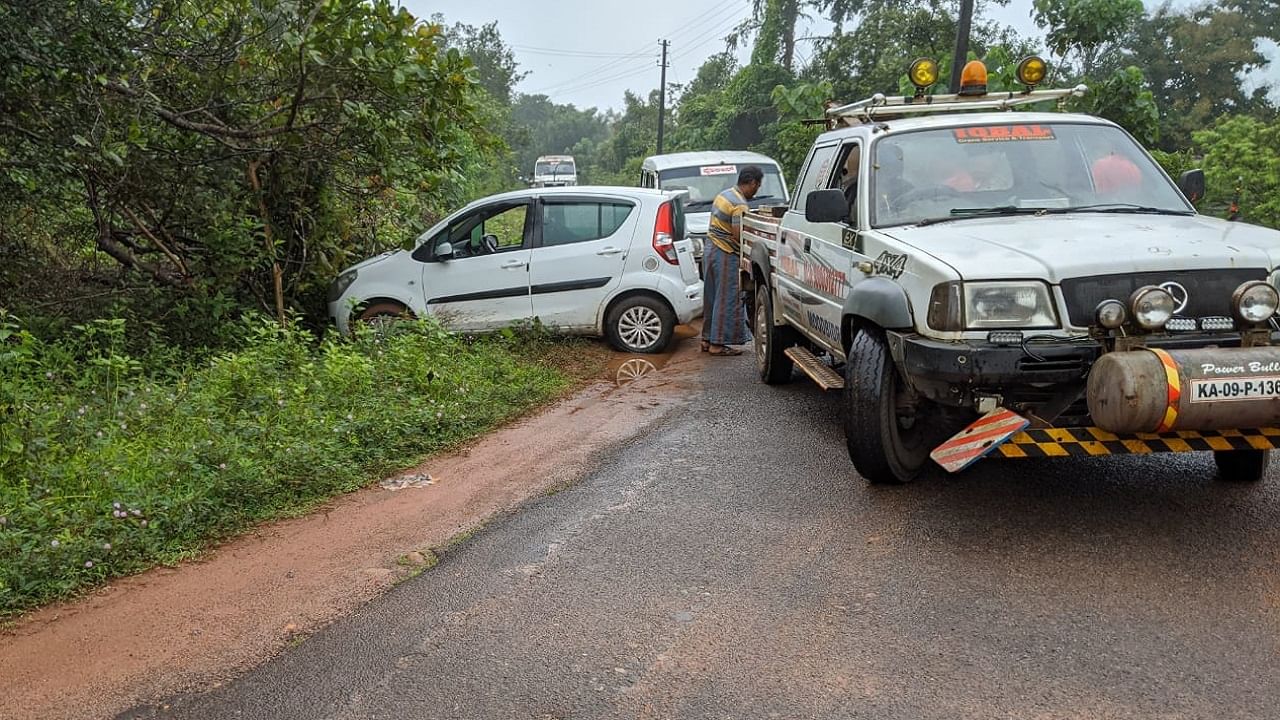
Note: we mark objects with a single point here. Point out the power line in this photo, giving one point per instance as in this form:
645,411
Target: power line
574,86
611,66
574,53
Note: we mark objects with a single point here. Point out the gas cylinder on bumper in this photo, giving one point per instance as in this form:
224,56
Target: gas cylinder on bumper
1149,390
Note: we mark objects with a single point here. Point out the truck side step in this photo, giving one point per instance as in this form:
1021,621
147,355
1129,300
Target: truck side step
817,370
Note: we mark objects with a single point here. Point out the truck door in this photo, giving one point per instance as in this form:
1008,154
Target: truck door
832,250
800,271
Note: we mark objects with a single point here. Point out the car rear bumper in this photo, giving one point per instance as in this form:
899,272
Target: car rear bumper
688,305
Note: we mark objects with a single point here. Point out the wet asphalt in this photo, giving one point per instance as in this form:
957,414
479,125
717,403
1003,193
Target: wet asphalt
728,563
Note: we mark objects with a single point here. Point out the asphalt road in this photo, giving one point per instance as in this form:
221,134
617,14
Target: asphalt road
729,564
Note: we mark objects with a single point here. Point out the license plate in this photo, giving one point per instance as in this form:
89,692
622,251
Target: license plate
1251,388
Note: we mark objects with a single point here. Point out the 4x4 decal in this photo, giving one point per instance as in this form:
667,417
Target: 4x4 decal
889,265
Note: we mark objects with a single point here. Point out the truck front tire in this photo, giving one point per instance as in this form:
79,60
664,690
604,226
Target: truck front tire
885,445
771,341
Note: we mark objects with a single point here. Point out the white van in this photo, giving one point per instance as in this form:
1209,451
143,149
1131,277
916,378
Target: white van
704,175
555,171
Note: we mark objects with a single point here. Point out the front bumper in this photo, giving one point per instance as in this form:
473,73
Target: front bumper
983,365
980,364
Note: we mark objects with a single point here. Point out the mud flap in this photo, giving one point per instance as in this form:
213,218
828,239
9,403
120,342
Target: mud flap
982,436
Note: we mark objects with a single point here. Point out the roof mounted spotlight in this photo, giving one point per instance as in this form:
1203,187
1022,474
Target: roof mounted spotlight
1031,72
923,75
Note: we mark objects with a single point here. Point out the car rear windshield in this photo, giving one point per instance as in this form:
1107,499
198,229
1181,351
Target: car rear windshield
704,182
929,175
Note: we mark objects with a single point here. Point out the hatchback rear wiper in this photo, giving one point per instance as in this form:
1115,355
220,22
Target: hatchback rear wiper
962,213
1120,208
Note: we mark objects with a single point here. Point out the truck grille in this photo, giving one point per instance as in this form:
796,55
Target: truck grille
1208,291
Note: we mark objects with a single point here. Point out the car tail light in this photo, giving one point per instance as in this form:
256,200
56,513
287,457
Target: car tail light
663,234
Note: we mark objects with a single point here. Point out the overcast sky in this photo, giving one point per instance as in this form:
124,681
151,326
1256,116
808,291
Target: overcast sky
588,52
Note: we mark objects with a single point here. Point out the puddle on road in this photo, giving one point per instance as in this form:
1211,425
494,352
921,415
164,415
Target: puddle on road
625,369
413,480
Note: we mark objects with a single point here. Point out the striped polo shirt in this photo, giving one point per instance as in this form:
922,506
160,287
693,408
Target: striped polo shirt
726,216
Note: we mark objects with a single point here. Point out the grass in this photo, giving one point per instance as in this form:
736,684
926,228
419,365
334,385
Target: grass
110,464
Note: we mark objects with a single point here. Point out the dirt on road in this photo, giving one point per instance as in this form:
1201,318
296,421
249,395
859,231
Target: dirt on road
193,626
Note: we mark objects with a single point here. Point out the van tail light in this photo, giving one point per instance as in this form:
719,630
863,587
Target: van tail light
663,234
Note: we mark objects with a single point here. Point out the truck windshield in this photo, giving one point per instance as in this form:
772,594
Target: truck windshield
553,168
982,170
704,183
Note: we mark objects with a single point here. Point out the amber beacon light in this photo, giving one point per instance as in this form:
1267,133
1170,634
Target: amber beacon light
973,79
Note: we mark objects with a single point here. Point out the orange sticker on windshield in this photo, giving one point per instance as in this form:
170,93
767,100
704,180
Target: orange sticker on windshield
1002,133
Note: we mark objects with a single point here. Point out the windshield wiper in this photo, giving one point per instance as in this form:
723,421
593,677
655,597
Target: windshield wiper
1120,208
997,211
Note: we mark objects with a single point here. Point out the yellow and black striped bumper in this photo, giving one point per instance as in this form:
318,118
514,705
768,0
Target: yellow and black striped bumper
1086,441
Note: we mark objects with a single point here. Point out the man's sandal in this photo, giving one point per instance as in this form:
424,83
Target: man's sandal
725,351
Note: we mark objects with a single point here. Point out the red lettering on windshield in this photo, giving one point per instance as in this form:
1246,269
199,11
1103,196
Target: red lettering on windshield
1002,133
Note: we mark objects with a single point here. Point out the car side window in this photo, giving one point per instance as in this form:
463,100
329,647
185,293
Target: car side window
486,231
564,223
815,174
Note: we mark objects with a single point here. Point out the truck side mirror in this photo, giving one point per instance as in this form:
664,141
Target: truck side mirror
1191,183
826,206
444,251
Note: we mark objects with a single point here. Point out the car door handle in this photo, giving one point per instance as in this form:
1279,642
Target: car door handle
609,251
513,264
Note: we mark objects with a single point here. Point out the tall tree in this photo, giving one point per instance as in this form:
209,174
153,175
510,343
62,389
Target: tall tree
235,146
1089,28
1196,61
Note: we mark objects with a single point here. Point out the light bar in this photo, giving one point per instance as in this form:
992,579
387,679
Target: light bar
1217,323
1005,337
1180,324
880,104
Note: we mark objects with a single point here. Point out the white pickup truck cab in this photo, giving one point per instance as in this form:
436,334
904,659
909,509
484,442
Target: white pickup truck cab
1034,276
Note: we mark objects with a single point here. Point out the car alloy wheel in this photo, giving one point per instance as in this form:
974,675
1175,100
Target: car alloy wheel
640,327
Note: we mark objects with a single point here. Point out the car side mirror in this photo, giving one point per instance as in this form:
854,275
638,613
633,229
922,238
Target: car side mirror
826,206
1192,184
444,251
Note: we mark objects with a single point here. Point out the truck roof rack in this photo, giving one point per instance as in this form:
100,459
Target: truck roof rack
882,105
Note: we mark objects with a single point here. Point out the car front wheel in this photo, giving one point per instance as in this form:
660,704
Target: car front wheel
640,324
382,314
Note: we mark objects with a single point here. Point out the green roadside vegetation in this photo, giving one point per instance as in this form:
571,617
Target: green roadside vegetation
115,462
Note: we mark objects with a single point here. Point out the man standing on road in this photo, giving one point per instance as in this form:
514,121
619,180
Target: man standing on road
723,317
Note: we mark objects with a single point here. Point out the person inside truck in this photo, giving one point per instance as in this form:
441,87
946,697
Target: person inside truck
849,182
724,319
890,180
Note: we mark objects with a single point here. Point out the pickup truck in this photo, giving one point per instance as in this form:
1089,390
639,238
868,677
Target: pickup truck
1015,284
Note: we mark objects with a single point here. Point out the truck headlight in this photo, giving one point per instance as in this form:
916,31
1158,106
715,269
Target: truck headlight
1151,307
341,284
1025,304
1255,302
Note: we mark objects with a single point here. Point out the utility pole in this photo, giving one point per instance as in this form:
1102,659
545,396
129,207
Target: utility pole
962,43
662,96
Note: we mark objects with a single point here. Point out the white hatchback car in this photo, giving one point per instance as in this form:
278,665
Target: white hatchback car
608,261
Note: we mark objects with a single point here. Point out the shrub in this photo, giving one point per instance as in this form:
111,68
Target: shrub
110,463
